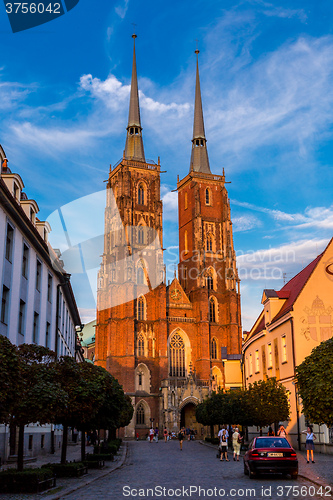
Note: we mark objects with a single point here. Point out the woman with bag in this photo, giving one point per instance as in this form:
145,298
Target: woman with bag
224,446
236,443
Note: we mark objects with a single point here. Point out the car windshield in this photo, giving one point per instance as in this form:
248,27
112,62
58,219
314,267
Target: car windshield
271,442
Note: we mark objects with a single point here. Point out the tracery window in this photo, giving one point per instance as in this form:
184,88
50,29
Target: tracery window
141,195
140,235
141,345
212,311
140,276
140,415
209,243
141,308
214,349
210,281
177,356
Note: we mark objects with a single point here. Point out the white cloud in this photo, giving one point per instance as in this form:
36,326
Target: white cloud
121,9
245,223
278,263
114,93
170,204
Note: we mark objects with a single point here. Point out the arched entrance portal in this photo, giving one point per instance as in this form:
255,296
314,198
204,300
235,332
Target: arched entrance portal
187,417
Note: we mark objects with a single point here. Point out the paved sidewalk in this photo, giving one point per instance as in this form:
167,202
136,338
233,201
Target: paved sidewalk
65,486
320,473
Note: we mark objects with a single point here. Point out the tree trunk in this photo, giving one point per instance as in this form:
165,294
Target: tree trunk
64,444
83,446
20,450
260,431
212,431
112,434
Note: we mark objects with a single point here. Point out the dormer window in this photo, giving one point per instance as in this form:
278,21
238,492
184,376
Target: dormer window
16,192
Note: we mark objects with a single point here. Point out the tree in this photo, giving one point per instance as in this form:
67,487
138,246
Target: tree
9,378
225,408
314,378
267,402
39,393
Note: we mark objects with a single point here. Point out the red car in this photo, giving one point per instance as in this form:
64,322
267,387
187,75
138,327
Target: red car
270,455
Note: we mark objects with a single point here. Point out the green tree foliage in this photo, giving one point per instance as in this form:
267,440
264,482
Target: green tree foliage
314,378
9,381
39,393
262,404
267,402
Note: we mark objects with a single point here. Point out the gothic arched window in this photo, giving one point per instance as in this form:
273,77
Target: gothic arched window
141,345
212,311
140,276
177,356
185,242
140,415
209,243
140,235
210,282
208,197
141,194
141,308
214,349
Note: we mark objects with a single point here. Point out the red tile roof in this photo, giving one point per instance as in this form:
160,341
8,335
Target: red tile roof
293,288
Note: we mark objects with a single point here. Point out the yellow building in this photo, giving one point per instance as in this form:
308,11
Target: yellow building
294,320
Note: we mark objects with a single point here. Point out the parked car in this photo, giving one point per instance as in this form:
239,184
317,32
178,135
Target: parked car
270,455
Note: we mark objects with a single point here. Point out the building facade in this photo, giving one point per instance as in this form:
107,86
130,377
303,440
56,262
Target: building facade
169,346
294,320
37,301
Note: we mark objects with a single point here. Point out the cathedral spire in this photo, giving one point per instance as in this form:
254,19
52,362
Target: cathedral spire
199,156
134,143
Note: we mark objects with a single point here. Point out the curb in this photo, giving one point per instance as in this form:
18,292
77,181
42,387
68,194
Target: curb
71,489
317,483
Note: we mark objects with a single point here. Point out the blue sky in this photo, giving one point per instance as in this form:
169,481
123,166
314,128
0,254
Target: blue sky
267,87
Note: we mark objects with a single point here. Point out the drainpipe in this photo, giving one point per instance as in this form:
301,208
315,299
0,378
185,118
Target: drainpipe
296,396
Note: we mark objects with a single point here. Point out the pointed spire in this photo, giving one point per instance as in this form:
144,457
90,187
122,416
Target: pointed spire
134,144
199,156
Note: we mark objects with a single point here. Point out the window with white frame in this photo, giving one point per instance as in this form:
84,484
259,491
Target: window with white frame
4,305
270,356
257,361
21,321
284,348
250,365
9,242
25,260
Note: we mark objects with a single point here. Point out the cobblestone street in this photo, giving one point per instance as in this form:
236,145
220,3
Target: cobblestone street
163,465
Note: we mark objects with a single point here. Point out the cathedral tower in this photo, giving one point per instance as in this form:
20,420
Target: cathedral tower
207,266
131,318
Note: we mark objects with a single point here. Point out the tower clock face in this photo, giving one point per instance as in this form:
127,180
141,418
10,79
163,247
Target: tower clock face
175,294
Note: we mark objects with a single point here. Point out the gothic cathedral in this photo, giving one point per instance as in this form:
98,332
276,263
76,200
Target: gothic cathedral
168,345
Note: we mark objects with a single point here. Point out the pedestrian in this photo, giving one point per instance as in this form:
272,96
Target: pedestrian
181,438
282,432
137,436
165,434
188,432
192,435
309,444
156,434
270,431
151,434
170,436
221,431
236,443
224,446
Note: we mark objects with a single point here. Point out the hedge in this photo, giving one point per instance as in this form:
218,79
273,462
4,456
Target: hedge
98,456
65,470
12,481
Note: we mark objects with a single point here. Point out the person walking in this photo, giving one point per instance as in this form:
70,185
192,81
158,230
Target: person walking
309,444
181,439
151,434
156,434
224,445
236,443
270,431
165,434
282,432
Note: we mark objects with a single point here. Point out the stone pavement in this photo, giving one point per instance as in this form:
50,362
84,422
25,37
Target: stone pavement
161,470
69,485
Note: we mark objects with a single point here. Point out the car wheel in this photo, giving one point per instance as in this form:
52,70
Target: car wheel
246,472
252,474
